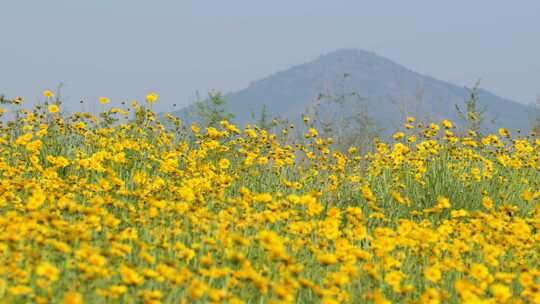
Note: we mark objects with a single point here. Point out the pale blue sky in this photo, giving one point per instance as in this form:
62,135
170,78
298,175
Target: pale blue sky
124,48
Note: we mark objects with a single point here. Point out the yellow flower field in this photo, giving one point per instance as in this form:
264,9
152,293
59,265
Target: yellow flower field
94,210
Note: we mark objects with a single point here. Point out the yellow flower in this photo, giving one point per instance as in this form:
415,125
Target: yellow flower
72,297
19,290
130,276
433,274
24,139
36,200
443,202
367,194
447,124
224,163
312,132
504,132
487,202
97,260
197,289
480,273
328,259
329,300
314,208
104,100
394,279
18,100
152,97
195,128
48,94
118,290
526,279
434,126
34,146
151,296
527,195
397,197
501,292
398,135
48,270
53,108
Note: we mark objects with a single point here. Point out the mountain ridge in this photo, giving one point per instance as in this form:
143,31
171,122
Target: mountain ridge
391,91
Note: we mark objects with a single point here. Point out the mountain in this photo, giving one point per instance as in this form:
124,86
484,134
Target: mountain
389,90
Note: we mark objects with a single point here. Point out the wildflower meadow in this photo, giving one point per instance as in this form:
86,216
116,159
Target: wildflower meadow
126,207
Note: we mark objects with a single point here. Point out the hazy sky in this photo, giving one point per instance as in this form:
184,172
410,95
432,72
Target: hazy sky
123,49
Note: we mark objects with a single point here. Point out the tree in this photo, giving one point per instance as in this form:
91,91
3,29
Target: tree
407,104
213,110
264,122
341,113
535,129
472,114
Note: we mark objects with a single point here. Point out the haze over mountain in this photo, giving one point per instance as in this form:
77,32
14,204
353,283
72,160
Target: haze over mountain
390,90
